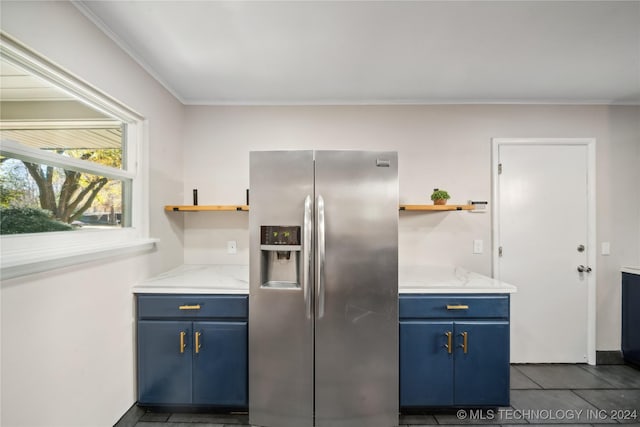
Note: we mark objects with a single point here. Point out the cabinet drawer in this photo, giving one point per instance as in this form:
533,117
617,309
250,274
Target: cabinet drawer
452,306
192,306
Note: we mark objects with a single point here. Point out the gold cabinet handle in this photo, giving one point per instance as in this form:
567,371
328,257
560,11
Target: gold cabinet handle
190,307
183,345
457,307
465,342
448,346
198,334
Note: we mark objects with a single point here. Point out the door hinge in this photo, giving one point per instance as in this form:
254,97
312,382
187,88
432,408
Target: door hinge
499,250
499,168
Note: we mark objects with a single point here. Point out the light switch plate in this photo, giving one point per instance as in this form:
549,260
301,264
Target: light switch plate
477,246
606,248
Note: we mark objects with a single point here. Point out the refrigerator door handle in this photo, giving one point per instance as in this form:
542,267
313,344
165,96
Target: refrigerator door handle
320,254
306,254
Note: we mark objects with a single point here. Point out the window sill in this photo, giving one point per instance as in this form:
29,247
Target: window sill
24,261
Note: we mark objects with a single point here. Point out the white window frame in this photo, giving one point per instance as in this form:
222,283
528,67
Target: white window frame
32,253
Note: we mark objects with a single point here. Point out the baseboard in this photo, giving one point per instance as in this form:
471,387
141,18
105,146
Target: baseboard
609,358
131,417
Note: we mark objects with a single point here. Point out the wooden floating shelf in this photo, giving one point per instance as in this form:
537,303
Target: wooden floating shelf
244,208
204,208
427,208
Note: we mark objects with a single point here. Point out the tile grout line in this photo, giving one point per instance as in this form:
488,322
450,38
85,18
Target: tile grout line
591,403
529,378
584,368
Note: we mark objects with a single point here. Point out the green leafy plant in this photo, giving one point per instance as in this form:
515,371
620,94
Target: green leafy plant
29,220
439,195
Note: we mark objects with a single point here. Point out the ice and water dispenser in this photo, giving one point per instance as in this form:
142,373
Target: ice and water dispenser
281,256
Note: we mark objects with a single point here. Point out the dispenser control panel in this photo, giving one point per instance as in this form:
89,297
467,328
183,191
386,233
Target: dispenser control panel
286,235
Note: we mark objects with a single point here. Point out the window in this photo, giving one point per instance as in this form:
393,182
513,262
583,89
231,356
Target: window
70,168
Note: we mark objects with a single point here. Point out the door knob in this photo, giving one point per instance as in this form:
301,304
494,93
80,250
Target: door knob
583,269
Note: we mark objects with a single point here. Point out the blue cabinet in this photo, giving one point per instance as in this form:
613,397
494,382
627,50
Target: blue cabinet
426,367
220,365
481,374
164,371
631,318
454,350
192,350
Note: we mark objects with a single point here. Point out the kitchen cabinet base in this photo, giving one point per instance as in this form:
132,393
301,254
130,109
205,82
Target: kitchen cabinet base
454,351
631,318
192,351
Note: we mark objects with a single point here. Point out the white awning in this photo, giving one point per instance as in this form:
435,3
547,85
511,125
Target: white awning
64,135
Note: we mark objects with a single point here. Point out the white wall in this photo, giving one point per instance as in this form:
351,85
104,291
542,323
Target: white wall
618,217
67,335
439,146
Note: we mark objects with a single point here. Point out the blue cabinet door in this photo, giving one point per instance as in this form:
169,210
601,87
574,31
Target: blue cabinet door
164,367
481,375
631,318
220,364
426,366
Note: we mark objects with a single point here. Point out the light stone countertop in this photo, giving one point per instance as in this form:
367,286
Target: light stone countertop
198,279
234,279
631,270
431,279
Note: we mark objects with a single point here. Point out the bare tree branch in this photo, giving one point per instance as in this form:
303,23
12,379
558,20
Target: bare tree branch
94,192
78,191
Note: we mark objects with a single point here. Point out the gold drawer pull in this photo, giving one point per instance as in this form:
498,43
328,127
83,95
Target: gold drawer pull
198,345
190,307
465,342
457,307
448,346
182,343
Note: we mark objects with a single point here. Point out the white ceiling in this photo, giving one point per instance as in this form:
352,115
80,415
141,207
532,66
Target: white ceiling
382,52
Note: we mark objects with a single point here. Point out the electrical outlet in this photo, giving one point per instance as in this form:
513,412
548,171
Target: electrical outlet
477,246
232,247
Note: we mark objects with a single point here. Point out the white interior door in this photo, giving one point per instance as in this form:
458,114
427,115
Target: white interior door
543,209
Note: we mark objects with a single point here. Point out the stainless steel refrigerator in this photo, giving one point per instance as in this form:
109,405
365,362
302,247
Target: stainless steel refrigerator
323,305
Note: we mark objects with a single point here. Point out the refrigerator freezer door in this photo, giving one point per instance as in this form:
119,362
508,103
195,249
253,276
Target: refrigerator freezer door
280,324
356,364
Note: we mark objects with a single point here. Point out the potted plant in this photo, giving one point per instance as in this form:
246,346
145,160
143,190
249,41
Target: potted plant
439,197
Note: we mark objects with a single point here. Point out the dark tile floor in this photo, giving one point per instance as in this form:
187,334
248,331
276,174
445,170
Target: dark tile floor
540,395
